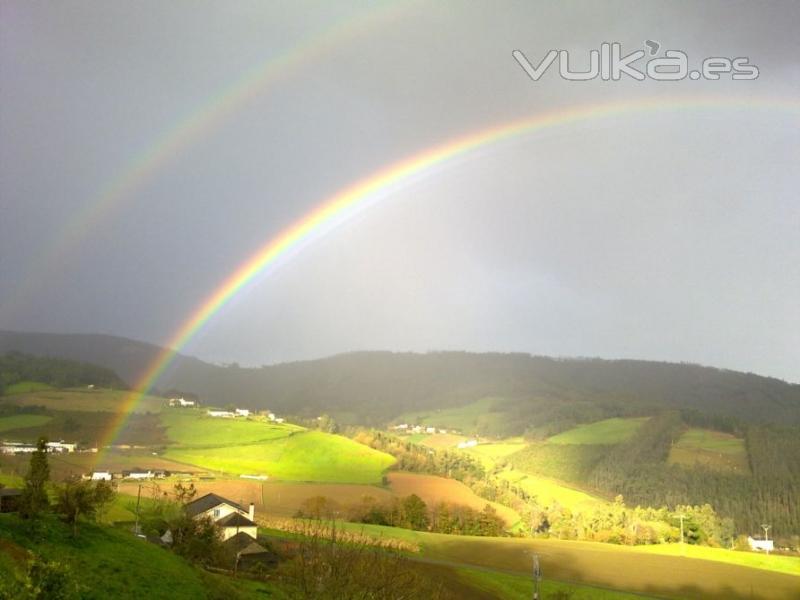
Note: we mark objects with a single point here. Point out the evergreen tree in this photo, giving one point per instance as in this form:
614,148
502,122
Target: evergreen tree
34,501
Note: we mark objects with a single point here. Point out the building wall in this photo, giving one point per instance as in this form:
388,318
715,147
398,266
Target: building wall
229,532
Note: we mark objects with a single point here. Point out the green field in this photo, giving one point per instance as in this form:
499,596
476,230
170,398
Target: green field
84,399
492,453
467,419
301,456
548,491
711,449
195,429
608,432
23,421
24,387
520,587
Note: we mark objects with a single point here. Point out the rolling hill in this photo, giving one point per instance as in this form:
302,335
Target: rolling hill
375,387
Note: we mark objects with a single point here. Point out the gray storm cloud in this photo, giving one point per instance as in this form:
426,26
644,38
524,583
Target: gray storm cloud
668,234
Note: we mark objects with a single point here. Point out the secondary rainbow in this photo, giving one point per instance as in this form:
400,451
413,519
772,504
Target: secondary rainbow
345,203
192,127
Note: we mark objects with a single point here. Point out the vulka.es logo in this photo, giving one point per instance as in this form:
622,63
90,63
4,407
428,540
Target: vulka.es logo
608,63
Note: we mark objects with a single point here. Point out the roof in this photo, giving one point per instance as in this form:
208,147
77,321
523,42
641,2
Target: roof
10,492
235,520
243,544
209,501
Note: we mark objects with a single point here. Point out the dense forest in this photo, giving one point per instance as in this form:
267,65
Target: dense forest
57,372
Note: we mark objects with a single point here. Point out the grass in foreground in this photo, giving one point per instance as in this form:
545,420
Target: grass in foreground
608,431
108,562
520,587
636,569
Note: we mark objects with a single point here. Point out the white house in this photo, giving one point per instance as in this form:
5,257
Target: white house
220,413
430,430
138,474
242,412
271,416
101,476
61,447
401,427
231,517
280,420
766,545
181,402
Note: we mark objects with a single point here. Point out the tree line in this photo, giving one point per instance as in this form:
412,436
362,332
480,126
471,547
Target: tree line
58,372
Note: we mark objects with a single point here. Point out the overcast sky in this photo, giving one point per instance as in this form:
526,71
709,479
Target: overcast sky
667,234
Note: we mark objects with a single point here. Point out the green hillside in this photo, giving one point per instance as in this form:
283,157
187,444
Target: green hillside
608,431
106,563
301,456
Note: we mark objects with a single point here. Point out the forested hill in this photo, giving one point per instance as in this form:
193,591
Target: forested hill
374,387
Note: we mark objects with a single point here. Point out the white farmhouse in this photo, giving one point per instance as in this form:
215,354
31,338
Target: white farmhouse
220,413
101,476
231,517
242,412
765,545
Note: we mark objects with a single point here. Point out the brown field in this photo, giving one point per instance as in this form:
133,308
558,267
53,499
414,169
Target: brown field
619,567
442,440
65,465
90,428
275,499
434,489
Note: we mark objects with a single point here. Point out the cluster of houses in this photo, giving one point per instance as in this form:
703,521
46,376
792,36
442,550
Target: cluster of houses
227,414
132,474
244,412
406,428
26,448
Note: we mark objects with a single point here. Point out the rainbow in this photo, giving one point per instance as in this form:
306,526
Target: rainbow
187,131
346,202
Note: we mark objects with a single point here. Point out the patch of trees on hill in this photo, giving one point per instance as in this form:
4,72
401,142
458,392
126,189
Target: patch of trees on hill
58,372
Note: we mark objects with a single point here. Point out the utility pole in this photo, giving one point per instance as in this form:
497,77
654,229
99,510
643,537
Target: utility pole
537,576
138,500
766,529
682,517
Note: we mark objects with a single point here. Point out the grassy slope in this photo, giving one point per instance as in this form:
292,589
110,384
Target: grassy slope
608,431
465,418
520,587
721,574
195,429
22,421
304,456
23,387
111,563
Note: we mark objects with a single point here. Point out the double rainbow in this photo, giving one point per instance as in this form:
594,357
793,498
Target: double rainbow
346,202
